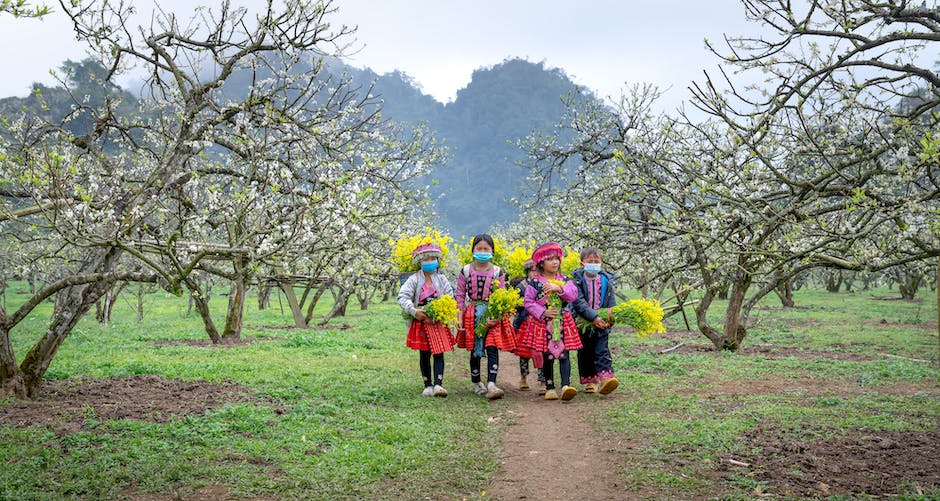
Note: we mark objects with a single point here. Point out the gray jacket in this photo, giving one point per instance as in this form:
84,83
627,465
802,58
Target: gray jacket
408,294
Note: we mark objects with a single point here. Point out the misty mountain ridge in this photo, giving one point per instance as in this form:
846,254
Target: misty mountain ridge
501,104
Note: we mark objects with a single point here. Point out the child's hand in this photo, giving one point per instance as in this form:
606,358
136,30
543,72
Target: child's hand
550,313
490,322
420,315
550,287
600,323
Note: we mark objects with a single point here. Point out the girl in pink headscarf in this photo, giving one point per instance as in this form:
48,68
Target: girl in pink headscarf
552,340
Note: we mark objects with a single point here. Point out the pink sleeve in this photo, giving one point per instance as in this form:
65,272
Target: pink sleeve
531,305
461,291
569,292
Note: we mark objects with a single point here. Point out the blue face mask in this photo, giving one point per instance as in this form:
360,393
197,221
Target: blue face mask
592,268
429,266
483,257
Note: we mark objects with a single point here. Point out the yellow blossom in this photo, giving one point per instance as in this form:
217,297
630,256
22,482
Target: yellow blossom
443,310
644,315
404,246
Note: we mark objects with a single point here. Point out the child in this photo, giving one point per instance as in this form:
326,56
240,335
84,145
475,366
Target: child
474,284
595,291
537,328
524,352
426,336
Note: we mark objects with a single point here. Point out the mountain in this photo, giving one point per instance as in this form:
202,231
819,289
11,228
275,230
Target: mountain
500,105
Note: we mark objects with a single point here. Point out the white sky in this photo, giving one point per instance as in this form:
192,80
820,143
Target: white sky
600,44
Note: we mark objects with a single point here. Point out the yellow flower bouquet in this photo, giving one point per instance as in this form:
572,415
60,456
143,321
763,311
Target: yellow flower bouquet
644,315
501,303
554,301
443,310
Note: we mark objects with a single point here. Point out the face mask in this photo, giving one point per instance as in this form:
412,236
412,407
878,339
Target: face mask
592,268
483,257
429,266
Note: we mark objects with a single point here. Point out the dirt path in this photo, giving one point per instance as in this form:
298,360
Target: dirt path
549,451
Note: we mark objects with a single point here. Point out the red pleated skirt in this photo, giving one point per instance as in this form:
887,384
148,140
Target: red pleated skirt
534,334
433,336
501,335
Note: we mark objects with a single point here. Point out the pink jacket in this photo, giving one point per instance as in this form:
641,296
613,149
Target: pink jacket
536,307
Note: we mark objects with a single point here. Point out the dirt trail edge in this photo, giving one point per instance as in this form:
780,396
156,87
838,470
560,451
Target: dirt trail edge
549,450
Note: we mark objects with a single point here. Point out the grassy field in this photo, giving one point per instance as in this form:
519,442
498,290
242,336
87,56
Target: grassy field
338,411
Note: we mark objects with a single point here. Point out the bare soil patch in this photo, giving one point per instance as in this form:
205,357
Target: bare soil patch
64,406
873,463
550,452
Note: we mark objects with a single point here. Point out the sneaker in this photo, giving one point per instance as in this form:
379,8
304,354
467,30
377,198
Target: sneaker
439,391
428,391
523,384
479,388
493,392
590,388
551,394
608,385
567,393
541,389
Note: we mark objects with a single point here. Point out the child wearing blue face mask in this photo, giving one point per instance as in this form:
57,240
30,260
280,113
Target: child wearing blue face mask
474,284
595,291
429,338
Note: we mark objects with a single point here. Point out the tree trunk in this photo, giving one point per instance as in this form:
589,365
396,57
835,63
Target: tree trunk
232,331
339,306
833,280
785,293
105,305
71,304
264,296
848,279
701,318
386,291
735,329
909,283
11,380
140,303
364,294
201,303
313,301
299,321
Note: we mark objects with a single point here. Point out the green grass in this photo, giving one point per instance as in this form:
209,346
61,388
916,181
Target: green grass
345,418
356,425
665,410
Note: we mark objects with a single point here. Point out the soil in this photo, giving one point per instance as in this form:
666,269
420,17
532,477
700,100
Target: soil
548,449
75,404
879,463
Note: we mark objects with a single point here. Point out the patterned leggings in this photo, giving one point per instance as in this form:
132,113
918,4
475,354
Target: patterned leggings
425,364
564,369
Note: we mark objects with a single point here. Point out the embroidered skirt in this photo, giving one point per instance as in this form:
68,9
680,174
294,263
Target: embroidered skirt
429,336
534,334
501,335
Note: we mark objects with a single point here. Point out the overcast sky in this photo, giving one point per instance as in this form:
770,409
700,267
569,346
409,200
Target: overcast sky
600,44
